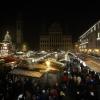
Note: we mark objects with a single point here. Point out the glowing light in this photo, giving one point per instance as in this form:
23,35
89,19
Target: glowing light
83,43
84,64
12,62
76,45
56,56
68,72
5,44
89,50
81,61
96,50
48,63
85,49
33,60
98,38
50,68
24,47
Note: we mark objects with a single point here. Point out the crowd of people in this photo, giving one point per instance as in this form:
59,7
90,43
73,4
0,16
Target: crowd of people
76,82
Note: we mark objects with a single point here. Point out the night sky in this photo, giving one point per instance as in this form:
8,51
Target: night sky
74,17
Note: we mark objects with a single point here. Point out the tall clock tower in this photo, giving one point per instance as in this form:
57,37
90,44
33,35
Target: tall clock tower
19,31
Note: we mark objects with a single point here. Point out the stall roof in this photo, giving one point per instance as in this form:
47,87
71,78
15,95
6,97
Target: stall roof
27,73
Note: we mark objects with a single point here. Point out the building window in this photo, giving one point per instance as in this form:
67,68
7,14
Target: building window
91,30
84,46
95,27
98,36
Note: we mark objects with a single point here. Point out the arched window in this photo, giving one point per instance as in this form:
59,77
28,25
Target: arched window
98,36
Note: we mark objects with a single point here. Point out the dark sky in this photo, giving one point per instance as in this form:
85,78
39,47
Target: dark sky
77,17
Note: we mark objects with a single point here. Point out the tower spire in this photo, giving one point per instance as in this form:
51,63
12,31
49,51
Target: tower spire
19,32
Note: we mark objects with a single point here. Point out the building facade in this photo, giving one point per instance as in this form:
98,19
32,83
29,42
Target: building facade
90,40
55,39
6,46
